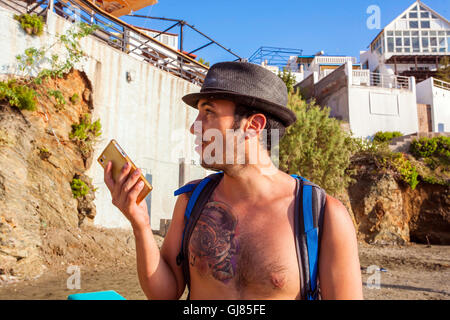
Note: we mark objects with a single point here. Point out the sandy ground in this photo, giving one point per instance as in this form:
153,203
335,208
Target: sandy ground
412,272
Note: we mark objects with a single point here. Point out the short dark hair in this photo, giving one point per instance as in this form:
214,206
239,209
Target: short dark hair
242,111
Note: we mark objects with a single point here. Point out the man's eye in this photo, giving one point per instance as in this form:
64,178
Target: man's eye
208,111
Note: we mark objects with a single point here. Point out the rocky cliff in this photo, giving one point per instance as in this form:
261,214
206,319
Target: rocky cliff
40,220
387,211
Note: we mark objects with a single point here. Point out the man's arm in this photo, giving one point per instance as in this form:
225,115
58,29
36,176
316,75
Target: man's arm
158,276
339,268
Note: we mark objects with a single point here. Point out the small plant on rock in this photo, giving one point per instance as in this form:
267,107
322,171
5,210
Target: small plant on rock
18,95
75,98
79,188
31,24
85,133
44,153
60,101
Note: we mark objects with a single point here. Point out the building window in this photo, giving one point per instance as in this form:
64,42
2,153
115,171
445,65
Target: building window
413,24
390,44
424,42
425,24
425,14
398,42
407,42
433,41
415,44
413,15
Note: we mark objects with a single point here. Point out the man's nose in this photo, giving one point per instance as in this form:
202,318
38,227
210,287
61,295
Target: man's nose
199,123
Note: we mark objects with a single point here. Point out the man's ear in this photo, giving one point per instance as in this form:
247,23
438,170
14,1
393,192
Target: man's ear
255,124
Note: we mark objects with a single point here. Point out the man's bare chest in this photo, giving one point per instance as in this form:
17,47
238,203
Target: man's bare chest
251,252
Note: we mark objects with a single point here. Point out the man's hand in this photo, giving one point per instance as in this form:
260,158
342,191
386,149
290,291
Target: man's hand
124,193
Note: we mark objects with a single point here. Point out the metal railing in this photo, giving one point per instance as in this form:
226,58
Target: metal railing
120,35
367,78
441,84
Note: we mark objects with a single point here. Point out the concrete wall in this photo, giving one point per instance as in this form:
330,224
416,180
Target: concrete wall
439,99
441,109
375,109
146,116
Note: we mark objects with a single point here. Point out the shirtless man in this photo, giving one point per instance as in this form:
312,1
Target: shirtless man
253,204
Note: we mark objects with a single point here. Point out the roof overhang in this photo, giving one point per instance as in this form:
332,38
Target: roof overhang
422,58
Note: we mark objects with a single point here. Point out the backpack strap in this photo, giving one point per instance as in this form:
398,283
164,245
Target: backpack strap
309,206
200,195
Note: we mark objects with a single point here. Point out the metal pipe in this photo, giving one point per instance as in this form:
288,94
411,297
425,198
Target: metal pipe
201,47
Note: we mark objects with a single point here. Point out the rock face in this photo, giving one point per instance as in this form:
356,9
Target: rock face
387,211
37,163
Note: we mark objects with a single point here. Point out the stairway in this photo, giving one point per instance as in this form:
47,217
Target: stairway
401,144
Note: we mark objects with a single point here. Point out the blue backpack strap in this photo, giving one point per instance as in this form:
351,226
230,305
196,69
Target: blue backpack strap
186,188
197,190
312,240
308,237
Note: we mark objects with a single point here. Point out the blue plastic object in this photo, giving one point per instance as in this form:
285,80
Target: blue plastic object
100,295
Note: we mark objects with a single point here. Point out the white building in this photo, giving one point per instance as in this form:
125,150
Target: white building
323,65
436,95
411,45
365,101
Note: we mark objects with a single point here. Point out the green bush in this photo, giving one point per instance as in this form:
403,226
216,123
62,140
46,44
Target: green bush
316,147
79,188
406,170
387,136
31,24
428,147
18,95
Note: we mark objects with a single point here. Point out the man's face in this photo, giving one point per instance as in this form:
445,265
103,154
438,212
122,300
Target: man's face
210,130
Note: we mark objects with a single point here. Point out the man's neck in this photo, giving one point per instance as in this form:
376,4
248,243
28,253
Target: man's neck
251,183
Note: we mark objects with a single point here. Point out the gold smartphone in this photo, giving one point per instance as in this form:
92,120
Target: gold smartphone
114,153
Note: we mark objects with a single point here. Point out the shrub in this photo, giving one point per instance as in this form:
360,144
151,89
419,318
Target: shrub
79,188
316,147
423,148
18,95
31,24
428,147
406,170
387,136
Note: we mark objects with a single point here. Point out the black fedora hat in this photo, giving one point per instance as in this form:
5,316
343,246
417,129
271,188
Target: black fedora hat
247,84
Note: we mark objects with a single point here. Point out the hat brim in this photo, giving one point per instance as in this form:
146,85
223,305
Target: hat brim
285,115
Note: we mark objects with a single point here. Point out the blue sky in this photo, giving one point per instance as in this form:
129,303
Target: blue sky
334,26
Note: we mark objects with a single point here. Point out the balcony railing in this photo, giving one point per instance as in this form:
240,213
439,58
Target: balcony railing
333,60
370,79
441,84
120,35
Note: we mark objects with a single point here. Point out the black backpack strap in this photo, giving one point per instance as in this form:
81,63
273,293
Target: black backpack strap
199,197
308,221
